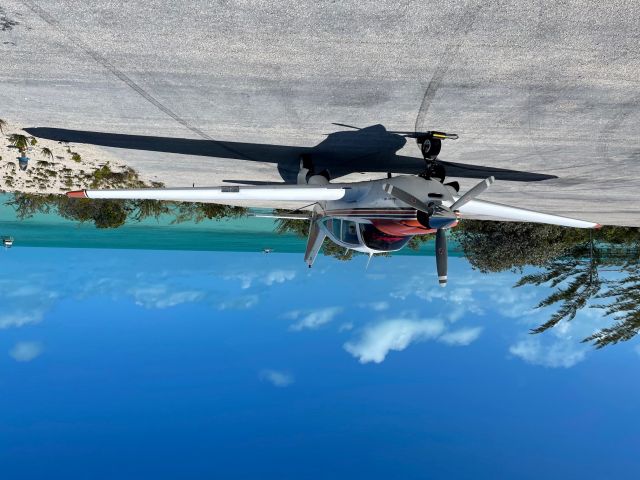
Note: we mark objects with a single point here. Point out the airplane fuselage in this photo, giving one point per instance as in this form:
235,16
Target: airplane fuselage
369,220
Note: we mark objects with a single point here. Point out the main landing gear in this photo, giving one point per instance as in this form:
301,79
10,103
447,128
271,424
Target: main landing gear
307,174
430,144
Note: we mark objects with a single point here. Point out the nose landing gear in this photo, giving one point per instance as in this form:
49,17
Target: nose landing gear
430,144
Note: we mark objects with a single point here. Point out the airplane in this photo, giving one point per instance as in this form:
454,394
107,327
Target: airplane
373,216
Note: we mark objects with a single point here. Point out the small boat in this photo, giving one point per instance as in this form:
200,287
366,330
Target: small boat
7,242
267,250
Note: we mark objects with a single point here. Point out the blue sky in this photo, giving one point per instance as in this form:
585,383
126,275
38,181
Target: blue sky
129,363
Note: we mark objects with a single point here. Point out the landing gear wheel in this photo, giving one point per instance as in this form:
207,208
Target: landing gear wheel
430,148
325,173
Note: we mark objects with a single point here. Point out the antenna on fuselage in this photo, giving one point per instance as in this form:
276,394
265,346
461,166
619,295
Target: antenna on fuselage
369,260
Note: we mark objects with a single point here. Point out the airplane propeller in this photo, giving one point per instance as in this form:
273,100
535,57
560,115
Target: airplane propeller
474,192
407,198
417,134
441,235
441,256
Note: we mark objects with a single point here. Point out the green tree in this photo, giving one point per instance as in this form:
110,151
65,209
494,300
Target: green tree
103,213
26,205
21,142
624,306
197,212
47,153
576,278
300,228
141,209
583,284
499,246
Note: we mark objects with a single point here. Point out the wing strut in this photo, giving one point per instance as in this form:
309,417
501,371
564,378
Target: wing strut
314,241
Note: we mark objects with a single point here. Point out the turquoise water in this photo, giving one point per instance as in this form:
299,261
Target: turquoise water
237,235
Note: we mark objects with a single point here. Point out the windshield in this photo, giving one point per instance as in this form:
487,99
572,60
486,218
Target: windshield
377,240
349,232
344,231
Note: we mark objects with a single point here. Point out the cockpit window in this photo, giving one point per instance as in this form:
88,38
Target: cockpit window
377,240
344,231
349,232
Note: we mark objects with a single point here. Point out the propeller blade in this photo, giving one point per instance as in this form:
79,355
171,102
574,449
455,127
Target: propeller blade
474,192
406,134
407,198
441,256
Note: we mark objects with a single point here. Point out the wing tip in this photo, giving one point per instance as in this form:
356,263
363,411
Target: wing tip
77,194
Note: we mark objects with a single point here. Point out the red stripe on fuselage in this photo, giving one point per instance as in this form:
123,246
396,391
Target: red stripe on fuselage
407,213
402,228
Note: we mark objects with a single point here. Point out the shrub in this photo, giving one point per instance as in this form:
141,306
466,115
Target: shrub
46,152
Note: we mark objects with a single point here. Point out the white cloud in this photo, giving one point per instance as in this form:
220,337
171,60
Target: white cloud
415,285
313,319
25,351
456,313
463,336
459,301
277,378
292,315
162,296
376,306
515,302
561,353
346,327
395,334
278,276
20,318
268,278
21,291
245,279
240,303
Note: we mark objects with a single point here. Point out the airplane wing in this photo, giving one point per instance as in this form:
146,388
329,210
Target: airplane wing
479,208
303,193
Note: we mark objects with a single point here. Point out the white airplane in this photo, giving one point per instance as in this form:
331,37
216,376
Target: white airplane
375,216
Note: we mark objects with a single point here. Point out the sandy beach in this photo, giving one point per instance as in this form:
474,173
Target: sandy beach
72,166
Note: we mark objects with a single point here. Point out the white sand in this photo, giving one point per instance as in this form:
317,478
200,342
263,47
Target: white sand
57,176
